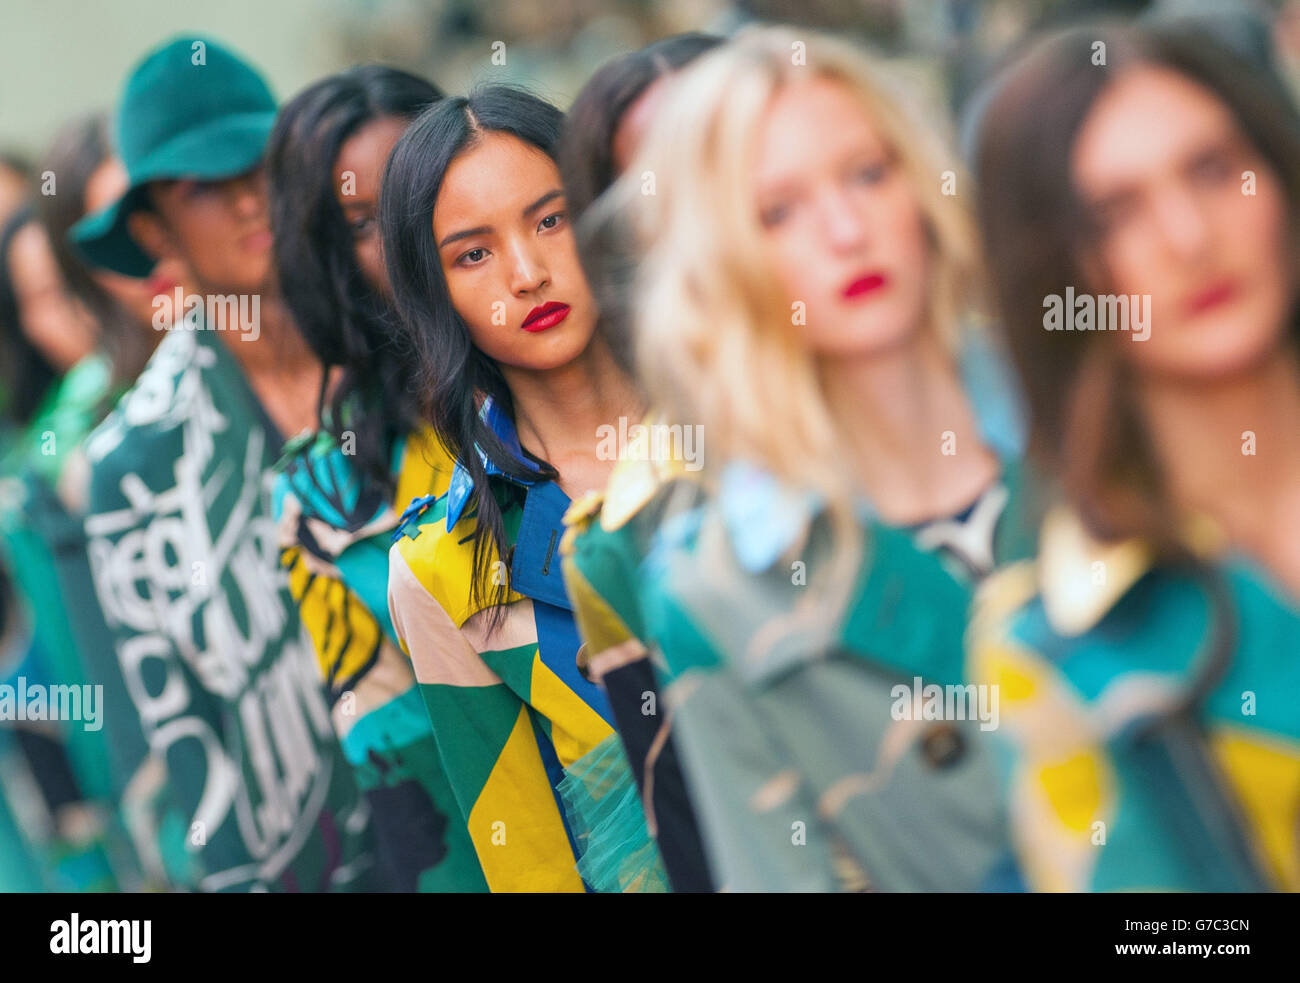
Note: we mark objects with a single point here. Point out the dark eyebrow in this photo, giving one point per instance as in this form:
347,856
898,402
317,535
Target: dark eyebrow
1124,197
465,234
544,199
485,229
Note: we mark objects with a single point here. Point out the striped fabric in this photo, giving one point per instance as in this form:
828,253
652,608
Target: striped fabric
509,707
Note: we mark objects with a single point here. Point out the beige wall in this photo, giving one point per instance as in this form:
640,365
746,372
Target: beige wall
59,58
62,58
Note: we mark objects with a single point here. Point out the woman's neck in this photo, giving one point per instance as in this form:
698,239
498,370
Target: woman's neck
1231,449
280,367
910,431
559,413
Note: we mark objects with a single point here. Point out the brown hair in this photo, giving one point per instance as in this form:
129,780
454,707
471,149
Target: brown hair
79,149
1086,427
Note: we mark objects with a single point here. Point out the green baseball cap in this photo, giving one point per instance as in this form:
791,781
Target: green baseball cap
191,109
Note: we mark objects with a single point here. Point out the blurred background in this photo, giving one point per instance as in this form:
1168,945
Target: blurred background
60,58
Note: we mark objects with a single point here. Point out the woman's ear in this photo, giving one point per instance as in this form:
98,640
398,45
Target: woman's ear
151,234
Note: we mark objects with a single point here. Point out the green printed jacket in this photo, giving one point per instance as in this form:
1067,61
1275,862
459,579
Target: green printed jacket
221,681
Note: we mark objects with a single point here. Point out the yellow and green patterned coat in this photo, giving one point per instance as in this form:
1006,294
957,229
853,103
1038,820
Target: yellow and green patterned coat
1153,714
517,724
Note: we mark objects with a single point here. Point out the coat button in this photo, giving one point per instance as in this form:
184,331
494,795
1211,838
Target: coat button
943,746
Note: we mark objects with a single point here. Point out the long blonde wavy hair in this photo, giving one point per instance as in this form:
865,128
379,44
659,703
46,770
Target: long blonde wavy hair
714,341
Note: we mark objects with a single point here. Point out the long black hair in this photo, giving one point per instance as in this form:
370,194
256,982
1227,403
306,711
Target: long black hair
344,320
454,375
78,151
27,374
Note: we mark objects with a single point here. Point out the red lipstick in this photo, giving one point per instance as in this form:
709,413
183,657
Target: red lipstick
257,241
547,315
1211,296
161,284
865,285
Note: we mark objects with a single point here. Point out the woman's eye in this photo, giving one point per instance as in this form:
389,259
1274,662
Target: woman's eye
551,221
1110,217
201,190
872,173
362,226
1212,167
472,256
773,215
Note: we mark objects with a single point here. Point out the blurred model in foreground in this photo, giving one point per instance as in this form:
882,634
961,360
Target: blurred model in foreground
1147,661
803,305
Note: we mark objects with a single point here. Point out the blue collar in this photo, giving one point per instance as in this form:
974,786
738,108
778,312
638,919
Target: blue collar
535,569
462,484
994,392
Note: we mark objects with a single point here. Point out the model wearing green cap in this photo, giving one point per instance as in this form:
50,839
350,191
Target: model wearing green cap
191,109
191,130
215,662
